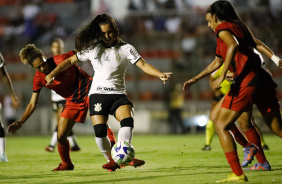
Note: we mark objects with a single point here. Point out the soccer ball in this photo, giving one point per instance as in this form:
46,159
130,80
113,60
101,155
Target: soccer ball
123,153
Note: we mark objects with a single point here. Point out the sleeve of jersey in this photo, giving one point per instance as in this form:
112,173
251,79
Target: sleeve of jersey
2,61
37,86
84,55
131,54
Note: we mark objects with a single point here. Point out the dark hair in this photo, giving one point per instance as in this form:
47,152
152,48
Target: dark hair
89,35
225,11
30,53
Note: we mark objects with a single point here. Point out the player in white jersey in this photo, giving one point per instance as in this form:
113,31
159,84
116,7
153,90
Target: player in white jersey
7,81
99,42
57,47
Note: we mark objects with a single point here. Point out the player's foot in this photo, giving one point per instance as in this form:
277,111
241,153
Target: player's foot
265,147
3,158
234,179
206,148
249,153
261,167
50,148
64,166
75,148
111,166
136,163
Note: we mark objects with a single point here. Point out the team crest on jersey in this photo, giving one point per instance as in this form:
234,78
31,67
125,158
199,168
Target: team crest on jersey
118,57
134,53
98,107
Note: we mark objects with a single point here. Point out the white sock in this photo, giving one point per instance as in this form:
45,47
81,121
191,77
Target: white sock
54,139
104,146
125,134
71,141
2,145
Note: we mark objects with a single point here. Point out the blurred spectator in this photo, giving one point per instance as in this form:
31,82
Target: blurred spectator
9,111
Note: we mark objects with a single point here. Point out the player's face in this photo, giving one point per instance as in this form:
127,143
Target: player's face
107,37
211,21
56,48
40,65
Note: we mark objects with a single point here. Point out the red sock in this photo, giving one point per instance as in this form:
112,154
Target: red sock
111,137
239,137
254,137
233,160
64,151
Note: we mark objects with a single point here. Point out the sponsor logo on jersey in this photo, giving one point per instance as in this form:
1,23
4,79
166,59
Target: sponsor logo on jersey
134,53
99,88
107,57
98,107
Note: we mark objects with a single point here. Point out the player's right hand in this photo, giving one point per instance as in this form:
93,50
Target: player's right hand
188,84
14,127
49,79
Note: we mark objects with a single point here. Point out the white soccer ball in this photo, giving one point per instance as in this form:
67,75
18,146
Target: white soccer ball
123,153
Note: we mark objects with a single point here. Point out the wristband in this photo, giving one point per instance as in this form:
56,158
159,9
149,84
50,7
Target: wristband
275,59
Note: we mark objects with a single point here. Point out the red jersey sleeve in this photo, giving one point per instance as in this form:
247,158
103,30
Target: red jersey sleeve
59,58
37,82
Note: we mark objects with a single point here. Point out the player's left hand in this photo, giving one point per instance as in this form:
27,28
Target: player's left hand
280,63
229,76
165,76
14,127
49,79
217,82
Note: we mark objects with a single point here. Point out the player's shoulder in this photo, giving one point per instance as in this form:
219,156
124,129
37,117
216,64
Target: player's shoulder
229,26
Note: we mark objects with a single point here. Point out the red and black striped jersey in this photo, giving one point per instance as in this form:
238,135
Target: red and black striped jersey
247,61
72,84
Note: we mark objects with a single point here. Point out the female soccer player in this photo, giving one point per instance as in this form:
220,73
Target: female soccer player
57,48
99,42
15,104
73,84
252,84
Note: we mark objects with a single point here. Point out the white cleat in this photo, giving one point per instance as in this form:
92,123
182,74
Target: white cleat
3,158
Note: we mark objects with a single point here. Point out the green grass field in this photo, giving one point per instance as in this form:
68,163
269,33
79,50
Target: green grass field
169,159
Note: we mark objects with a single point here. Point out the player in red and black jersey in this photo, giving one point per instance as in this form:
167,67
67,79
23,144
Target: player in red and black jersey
252,83
73,84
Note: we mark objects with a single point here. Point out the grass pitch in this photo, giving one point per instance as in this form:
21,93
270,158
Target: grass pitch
169,159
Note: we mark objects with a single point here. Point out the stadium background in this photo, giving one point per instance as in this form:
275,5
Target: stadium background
172,35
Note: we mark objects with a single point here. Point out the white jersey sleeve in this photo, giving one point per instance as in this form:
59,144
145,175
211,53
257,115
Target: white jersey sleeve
85,55
131,54
2,61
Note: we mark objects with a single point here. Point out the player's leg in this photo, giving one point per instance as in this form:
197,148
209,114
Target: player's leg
64,127
111,136
224,122
210,129
57,112
124,114
3,156
102,140
263,143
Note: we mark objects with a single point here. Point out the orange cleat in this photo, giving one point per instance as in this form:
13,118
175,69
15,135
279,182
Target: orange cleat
136,163
111,166
64,166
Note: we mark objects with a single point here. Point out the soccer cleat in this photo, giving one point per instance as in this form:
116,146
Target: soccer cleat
136,163
260,167
234,179
265,147
64,167
206,148
50,148
3,158
111,166
75,148
249,153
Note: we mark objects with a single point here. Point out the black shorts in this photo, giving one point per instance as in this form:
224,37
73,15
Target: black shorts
105,104
58,104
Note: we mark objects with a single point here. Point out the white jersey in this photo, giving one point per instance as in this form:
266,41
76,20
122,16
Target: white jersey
55,97
2,61
109,65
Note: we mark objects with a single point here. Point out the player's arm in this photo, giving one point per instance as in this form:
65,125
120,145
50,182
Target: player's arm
261,47
7,81
61,67
149,69
232,47
28,112
214,65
